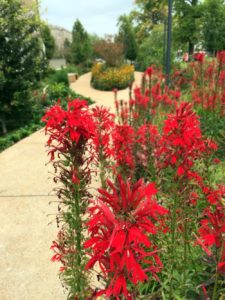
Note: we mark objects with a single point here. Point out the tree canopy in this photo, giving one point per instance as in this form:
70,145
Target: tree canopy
22,59
213,25
80,47
147,14
67,50
110,50
195,22
127,37
48,40
187,22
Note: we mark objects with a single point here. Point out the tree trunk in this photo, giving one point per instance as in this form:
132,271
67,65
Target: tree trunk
3,124
191,48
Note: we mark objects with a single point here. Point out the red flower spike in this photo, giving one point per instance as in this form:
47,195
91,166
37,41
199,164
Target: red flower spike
199,57
65,127
182,142
120,225
149,71
204,292
212,229
122,147
221,57
104,124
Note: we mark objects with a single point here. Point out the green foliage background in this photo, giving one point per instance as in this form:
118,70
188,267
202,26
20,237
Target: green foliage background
22,60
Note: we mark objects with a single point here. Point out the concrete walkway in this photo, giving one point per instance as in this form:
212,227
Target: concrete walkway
101,97
26,272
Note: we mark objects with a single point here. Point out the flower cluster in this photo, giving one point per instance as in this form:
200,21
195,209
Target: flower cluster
182,142
120,226
136,228
104,124
212,229
221,58
109,78
69,134
122,147
67,127
207,82
199,57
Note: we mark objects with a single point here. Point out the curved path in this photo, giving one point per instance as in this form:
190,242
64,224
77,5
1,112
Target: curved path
82,86
25,233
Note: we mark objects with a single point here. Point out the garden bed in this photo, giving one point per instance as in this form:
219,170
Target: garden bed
156,226
41,99
109,78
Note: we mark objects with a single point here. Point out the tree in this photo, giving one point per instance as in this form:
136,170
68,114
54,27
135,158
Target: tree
148,14
187,21
151,49
67,51
21,60
48,41
213,27
80,47
127,37
110,51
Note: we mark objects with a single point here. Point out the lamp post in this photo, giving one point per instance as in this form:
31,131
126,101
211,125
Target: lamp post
164,43
169,37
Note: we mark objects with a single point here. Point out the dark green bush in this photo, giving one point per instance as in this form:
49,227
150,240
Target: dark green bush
39,101
22,62
15,136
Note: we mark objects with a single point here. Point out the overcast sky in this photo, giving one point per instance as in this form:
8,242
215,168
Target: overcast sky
97,16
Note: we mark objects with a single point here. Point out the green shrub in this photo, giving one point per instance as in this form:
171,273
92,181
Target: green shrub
39,101
57,91
16,135
61,76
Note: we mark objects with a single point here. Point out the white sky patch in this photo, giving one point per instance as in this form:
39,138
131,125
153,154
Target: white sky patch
97,16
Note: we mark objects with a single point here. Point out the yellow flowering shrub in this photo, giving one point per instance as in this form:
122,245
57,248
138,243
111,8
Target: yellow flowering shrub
106,79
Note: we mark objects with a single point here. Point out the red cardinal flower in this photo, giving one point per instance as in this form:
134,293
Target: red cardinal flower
221,57
199,57
122,147
182,142
149,71
141,101
104,124
121,223
212,229
66,127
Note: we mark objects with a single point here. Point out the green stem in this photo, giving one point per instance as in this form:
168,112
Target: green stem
172,247
102,163
102,177
78,228
214,296
185,247
218,258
